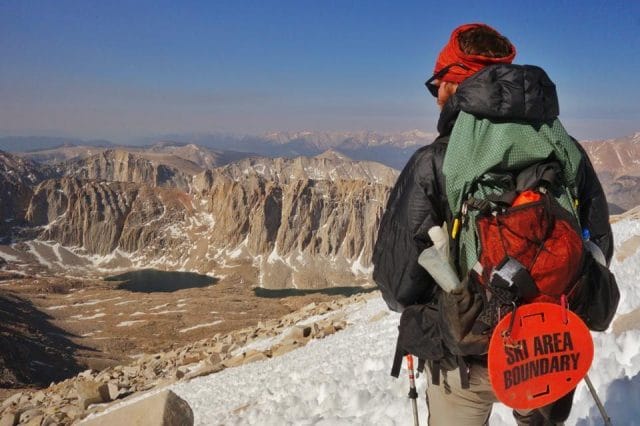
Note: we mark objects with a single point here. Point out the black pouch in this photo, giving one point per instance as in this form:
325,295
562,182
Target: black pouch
512,275
419,335
595,296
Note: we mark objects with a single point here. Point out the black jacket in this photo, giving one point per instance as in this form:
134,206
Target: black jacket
417,202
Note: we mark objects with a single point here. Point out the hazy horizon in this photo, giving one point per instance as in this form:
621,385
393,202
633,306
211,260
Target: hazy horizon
122,72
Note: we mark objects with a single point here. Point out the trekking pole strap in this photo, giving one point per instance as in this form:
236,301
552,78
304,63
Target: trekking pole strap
434,369
397,360
464,372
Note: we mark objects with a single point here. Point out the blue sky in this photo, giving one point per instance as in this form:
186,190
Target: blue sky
124,70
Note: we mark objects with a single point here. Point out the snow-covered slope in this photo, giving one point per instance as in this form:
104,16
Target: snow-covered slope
344,379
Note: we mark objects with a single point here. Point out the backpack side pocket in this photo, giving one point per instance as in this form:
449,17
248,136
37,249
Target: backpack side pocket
596,296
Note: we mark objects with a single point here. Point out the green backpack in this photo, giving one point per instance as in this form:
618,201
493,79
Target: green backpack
482,160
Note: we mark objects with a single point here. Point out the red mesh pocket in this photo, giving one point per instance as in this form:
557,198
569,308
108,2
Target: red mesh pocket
543,237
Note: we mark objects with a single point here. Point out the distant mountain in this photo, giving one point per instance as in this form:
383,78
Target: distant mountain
213,150
617,157
391,149
330,165
351,140
153,169
617,162
204,157
32,143
61,153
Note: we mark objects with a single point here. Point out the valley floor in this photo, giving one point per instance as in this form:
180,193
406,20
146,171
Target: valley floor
52,328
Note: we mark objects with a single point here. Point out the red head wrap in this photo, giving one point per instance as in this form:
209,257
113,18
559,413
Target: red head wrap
452,53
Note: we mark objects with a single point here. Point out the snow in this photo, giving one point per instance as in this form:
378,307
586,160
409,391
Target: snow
344,379
83,318
54,308
129,323
96,301
169,311
211,324
358,269
159,306
7,256
33,250
274,256
236,253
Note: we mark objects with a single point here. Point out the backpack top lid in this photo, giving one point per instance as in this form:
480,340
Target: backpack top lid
503,92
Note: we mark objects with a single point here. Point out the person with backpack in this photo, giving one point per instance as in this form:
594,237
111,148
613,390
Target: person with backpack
500,149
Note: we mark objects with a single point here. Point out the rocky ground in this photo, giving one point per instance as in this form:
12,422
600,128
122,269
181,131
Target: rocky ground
92,391
53,328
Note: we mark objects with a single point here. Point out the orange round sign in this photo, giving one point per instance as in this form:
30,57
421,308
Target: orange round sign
538,355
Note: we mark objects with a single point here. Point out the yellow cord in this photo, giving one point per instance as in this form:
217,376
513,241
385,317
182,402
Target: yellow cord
455,228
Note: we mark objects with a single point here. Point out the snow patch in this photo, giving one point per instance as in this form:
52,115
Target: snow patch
129,323
210,324
83,318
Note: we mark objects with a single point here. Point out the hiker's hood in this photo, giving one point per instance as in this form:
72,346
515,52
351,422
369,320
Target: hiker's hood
503,92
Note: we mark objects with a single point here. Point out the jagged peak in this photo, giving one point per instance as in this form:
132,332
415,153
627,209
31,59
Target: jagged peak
332,154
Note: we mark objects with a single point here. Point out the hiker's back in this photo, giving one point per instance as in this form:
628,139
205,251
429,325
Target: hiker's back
506,197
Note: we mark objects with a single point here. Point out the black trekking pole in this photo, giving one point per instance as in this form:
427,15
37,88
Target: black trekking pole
413,394
603,412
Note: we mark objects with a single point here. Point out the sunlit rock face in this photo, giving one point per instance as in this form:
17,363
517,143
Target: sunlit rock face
17,178
303,223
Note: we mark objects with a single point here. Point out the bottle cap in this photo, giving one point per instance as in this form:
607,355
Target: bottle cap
586,235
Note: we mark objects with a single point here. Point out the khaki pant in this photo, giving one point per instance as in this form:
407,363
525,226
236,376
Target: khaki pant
450,405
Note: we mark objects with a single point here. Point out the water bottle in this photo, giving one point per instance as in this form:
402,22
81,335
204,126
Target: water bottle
593,248
435,260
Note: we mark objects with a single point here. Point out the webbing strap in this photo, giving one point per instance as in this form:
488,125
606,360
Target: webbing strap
421,363
464,372
397,360
434,368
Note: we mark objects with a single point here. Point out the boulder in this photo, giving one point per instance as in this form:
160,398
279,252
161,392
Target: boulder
8,419
109,391
162,409
88,392
234,361
253,355
34,421
30,415
299,333
284,347
12,400
204,370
